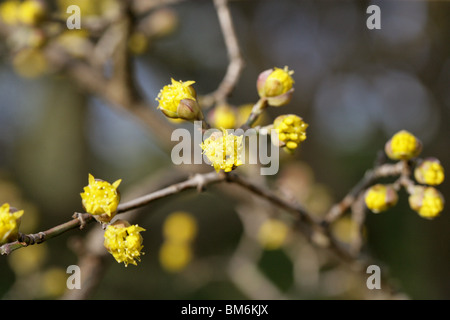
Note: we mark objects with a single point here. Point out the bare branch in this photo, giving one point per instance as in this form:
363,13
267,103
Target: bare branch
236,62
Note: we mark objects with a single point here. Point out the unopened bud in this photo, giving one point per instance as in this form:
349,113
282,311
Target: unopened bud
428,202
430,172
276,85
380,197
403,146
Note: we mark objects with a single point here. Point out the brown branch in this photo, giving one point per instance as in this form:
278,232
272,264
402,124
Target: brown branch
198,181
236,62
385,170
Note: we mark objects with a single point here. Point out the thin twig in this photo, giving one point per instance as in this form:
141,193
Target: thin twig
236,62
198,181
385,170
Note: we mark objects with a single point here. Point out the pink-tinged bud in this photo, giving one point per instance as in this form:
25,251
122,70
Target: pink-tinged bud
380,197
430,172
403,146
428,202
276,85
188,109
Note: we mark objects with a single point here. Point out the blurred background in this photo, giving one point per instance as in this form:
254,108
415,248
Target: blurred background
355,88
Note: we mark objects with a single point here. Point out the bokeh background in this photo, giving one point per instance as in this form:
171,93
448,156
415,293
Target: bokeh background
354,86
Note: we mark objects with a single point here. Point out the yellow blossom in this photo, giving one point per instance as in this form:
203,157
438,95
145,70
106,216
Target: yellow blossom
9,223
124,242
223,150
428,202
430,172
380,197
180,227
178,100
403,146
100,198
291,131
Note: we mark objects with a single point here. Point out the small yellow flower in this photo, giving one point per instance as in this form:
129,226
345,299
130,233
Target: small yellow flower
124,242
223,116
380,197
180,227
101,199
223,150
428,202
429,171
175,256
178,100
31,12
291,131
9,223
273,234
9,11
403,146
277,85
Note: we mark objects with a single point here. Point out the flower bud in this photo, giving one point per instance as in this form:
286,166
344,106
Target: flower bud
178,101
429,171
291,131
380,197
428,202
276,85
9,223
101,199
403,146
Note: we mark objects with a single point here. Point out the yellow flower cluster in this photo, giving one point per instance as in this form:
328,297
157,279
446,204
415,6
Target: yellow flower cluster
426,200
223,150
9,223
403,146
101,198
179,230
380,197
430,172
291,130
124,242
